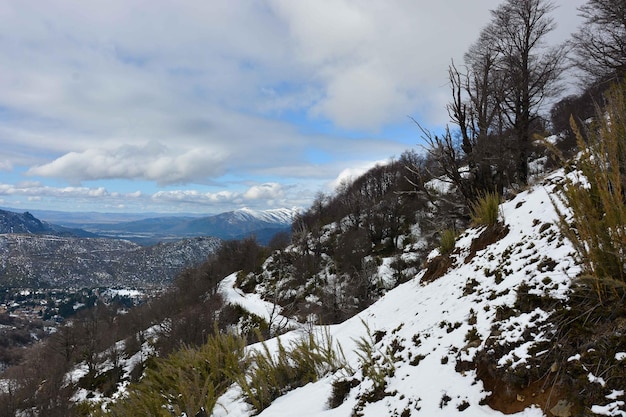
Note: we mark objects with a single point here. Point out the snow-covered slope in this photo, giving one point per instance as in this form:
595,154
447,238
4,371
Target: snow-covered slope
279,216
430,329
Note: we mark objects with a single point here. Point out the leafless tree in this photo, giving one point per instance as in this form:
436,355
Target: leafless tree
497,96
530,70
600,43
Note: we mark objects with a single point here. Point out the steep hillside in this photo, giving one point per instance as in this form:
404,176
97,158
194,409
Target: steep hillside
467,338
28,260
494,325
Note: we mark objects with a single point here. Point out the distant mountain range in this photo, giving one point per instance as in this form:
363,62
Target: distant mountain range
29,260
230,225
36,253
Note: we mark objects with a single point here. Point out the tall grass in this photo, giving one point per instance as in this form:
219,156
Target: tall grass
189,381
302,361
486,209
596,196
447,241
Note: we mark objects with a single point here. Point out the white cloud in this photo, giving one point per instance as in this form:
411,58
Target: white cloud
264,191
6,166
350,174
196,197
37,190
268,191
152,161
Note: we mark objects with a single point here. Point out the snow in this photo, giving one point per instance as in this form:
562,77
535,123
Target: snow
123,292
252,302
282,215
596,379
127,364
432,320
615,408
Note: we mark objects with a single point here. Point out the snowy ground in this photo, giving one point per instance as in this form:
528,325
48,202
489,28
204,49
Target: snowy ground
441,322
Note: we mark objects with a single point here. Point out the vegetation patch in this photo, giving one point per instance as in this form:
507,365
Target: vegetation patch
188,381
485,211
447,241
302,361
597,227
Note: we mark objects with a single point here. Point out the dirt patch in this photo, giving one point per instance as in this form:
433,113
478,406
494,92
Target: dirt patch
588,334
509,398
489,236
437,267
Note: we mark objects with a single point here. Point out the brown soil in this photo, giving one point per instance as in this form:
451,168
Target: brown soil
509,399
437,267
490,235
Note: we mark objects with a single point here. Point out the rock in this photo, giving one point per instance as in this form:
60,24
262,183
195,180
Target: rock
562,409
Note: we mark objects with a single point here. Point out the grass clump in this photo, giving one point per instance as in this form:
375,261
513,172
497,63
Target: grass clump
447,241
485,211
188,381
596,198
376,366
304,360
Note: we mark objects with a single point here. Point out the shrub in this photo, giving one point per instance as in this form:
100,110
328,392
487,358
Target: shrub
302,361
376,366
596,197
187,381
486,209
447,241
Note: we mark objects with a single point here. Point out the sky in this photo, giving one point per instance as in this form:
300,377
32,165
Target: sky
207,106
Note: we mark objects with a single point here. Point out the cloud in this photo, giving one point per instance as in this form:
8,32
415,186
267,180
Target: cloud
152,161
350,174
37,190
269,191
264,191
193,92
196,197
379,61
6,166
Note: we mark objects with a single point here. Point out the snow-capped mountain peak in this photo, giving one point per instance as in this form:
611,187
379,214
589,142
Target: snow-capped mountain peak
280,216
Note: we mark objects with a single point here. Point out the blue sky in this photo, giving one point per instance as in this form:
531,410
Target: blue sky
207,106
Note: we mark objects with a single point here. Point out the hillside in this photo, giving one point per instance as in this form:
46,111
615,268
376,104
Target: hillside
485,329
434,332
11,222
28,260
36,253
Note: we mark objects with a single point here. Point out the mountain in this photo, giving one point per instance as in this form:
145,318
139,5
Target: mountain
29,260
497,322
11,222
35,253
230,225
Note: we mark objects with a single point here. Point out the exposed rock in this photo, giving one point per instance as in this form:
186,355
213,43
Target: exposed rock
562,409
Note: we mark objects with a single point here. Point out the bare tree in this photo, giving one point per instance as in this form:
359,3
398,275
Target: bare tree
600,43
476,110
530,69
